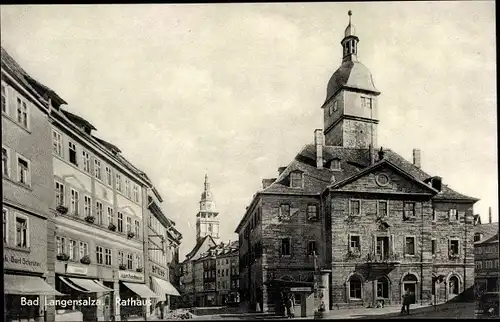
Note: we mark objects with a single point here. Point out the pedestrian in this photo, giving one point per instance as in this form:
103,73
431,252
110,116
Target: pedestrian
292,304
287,306
411,299
403,302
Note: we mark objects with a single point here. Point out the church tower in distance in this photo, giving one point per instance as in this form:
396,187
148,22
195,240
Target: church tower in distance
207,222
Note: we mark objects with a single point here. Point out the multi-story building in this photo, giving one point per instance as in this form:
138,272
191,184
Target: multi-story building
227,259
487,269
378,222
163,242
28,226
207,233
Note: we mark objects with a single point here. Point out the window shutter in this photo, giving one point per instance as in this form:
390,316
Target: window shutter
392,244
349,242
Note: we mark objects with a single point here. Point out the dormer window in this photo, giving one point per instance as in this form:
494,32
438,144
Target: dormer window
296,179
335,165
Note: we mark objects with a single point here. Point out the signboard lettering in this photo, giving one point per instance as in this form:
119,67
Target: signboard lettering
21,260
300,289
130,276
73,269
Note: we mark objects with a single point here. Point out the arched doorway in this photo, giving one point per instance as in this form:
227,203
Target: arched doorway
409,286
383,288
453,287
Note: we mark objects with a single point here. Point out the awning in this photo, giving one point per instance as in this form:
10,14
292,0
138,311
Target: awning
73,286
90,285
140,289
27,285
164,287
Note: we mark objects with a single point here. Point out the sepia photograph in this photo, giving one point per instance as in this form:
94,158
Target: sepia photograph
249,161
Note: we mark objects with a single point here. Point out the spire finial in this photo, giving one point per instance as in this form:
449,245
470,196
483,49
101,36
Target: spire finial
350,14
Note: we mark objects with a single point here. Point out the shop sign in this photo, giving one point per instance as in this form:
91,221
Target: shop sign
21,260
300,289
74,269
130,276
157,270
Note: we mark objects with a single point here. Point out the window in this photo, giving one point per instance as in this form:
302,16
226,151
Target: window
478,237
108,176
210,228
311,248
335,165
433,246
454,247
120,258
59,194
107,258
129,224
100,213
312,212
72,153
137,229
366,102
410,246
354,243
136,193
60,245
87,206
118,182
73,250
22,112
120,222
57,143
453,214
86,161
99,254
330,109
335,106
127,188
129,261
479,265
354,206
84,249
383,288
111,216
296,179
409,210
488,264
4,98
136,261
5,161
434,215
285,247
74,201
285,211
382,208
5,225
97,169
23,170
355,287
22,235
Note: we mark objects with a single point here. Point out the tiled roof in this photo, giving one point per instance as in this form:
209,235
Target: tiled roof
199,243
488,230
111,147
78,120
492,239
352,162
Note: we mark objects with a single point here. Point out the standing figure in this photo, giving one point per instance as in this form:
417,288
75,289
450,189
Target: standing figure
292,303
404,300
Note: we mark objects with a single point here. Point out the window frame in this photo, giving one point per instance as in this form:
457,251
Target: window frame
99,250
314,249
86,161
386,208
85,249
5,97
19,156
26,218
335,165
99,213
414,246
118,179
75,211
450,240
110,215
281,210
350,207
316,212
405,216
289,247
27,109
85,212
358,280
97,169
136,193
75,151
108,175
137,228
453,214
73,247
433,247
301,180
57,182
349,245
5,212
108,254
9,163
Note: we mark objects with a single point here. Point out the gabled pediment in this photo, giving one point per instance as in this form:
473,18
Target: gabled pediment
384,177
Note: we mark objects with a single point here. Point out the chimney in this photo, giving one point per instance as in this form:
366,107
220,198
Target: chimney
417,157
437,183
319,142
267,182
280,170
381,154
372,157
489,214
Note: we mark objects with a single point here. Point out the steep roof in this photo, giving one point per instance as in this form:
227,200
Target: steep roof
353,161
488,230
198,245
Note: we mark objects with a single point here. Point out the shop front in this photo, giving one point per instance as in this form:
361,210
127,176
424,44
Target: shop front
135,296
25,284
165,290
86,297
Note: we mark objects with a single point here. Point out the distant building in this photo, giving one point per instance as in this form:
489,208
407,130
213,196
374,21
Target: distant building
227,259
486,256
378,222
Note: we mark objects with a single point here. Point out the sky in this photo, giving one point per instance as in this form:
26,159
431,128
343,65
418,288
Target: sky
235,90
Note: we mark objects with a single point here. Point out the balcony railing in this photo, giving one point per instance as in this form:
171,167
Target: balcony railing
383,258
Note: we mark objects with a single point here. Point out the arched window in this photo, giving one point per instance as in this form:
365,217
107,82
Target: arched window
454,285
383,287
355,287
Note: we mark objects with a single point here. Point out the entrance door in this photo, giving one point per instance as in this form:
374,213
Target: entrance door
107,308
382,248
410,288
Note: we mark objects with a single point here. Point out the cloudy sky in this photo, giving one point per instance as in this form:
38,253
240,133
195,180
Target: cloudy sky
236,89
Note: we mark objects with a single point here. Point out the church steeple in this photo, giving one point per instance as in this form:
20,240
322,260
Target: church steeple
207,222
350,42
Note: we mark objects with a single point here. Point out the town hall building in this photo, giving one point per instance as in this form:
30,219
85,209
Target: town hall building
379,224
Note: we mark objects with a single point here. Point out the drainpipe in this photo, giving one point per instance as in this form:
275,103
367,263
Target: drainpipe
422,253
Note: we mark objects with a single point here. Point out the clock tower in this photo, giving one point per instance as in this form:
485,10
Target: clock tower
207,222
350,109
